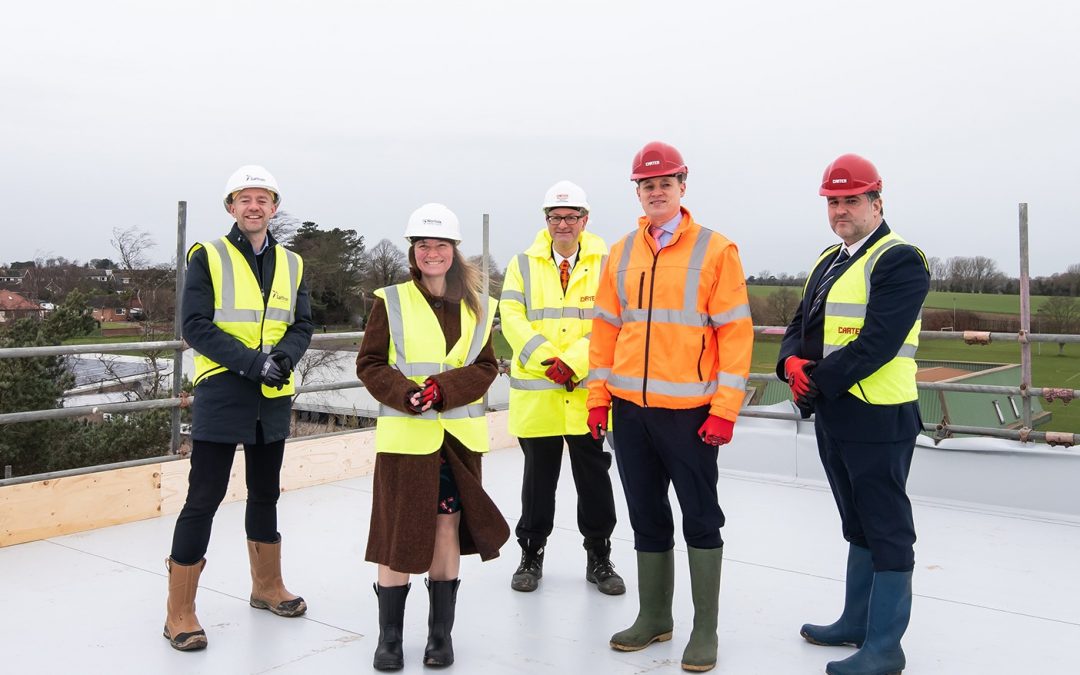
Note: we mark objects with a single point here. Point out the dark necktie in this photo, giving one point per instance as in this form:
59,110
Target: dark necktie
827,279
564,274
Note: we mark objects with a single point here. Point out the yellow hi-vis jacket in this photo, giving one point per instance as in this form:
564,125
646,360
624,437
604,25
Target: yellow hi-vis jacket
418,349
845,314
541,322
239,309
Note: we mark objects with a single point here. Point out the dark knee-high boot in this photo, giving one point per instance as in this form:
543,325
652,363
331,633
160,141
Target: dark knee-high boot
440,646
890,611
388,654
705,564
850,628
656,588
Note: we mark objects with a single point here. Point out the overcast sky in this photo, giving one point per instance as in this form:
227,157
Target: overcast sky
113,111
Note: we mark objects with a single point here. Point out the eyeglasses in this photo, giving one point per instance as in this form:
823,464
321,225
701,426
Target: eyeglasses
570,220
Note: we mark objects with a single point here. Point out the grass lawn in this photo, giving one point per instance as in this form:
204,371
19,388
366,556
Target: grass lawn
986,303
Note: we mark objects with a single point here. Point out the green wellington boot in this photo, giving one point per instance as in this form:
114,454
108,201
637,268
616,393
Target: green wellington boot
700,652
656,585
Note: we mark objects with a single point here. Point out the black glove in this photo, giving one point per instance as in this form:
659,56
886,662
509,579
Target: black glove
282,359
272,374
808,401
417,405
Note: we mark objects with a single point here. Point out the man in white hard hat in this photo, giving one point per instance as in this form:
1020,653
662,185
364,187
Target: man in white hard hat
546,309
247,316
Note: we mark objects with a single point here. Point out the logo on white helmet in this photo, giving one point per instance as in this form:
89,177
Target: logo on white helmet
432,221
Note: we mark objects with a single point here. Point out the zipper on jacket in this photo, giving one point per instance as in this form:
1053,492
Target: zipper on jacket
648,332
701,356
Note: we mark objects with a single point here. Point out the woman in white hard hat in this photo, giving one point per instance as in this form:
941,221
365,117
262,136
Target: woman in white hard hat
427,358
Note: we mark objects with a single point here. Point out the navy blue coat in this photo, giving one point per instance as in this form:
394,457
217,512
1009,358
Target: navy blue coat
228,405
899,284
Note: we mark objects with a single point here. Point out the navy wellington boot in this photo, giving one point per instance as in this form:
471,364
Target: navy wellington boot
890,611
850,628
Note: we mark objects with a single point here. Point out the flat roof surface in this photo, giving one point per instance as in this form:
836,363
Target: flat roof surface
996,591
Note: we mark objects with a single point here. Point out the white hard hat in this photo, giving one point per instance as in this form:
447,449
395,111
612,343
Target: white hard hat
250,176
435,221
565,194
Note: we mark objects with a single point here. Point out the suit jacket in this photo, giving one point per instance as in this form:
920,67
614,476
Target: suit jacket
899,284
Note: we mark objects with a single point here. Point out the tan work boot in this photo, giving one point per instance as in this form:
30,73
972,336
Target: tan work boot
182,628
267,589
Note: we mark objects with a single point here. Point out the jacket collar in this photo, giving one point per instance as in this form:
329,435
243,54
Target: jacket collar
589,244
237,239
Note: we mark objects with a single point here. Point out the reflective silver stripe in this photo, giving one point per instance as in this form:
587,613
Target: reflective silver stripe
460,413
533,385
277,314
872,260
600,373
620,273
228,280
729,380
415,369
512,295
530,347
556,313
397,323
733,314
675,316
526,279
237,315
693,269
906,351
294,283
851,310
480,332
266,349
678,389
609,318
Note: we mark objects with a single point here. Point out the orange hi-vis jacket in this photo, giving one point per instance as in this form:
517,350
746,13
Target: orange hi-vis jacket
672,328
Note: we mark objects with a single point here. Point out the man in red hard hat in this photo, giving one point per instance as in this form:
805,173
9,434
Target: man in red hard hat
849,357
669,357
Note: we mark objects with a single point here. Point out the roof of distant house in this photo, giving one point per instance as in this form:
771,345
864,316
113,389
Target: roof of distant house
10,300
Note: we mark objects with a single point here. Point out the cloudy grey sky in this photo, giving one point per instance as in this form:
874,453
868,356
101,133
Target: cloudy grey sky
114,110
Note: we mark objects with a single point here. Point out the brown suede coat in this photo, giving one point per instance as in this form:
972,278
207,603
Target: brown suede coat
406,487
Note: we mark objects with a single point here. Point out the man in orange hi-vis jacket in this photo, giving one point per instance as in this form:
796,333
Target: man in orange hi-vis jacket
669,358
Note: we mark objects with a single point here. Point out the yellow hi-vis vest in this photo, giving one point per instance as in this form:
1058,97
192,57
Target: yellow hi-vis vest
540,322
845,313
239,308
418,349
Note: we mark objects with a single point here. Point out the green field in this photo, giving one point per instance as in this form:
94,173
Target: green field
975,302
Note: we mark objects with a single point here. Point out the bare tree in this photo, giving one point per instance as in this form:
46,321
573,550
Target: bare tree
939,273
782,305
387,264
495,276
283,226
131,245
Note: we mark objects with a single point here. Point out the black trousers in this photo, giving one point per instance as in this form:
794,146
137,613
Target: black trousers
657,448
590,464
208,481
869,483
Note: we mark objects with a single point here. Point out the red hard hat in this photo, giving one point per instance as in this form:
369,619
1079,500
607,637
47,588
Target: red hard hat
657,159
849,175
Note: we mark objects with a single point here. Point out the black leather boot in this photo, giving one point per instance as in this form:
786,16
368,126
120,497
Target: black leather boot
388,654
440,647
531,569
599,570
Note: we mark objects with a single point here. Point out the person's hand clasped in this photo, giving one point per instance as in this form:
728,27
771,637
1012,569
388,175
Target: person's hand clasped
273,375
797,371
558,372
716,430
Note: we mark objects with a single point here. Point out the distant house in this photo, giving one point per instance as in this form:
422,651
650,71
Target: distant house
11,277
14,306
112,307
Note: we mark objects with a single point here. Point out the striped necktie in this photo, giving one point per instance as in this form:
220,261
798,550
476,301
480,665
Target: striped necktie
836,269
564,274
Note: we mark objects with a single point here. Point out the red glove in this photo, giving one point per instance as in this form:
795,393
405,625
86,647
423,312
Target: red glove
716,430
797,376
558,372
431,395
598,421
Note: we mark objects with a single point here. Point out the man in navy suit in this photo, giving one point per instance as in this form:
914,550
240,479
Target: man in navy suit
849,357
